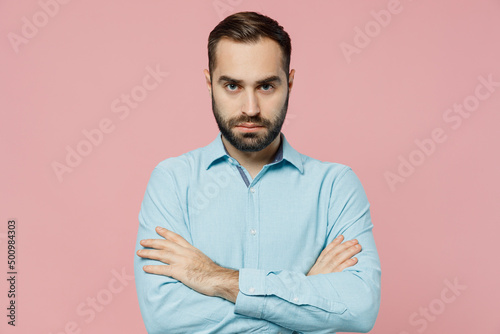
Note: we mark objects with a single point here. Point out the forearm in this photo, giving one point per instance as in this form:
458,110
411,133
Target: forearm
325,303
169,306
346,301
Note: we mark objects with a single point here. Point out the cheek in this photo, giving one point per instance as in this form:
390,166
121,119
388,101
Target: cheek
273,103
225,101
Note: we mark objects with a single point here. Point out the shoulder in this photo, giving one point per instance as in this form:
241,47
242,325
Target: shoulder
329,170
338,177
182,165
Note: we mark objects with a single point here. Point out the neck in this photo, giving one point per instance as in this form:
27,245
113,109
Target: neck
254,159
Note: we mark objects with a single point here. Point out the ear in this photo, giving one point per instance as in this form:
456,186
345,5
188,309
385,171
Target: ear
208,80
290,80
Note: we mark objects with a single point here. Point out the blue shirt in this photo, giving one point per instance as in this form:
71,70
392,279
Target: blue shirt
272,229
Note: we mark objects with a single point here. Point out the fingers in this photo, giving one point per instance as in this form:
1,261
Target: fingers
173,241
159,270
343,252
170,235
336,247
346,264
160,255
162,244
337,256
166,250
350,245
337,241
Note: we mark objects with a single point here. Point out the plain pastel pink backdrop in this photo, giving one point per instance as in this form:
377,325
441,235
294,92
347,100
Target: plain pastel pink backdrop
364,109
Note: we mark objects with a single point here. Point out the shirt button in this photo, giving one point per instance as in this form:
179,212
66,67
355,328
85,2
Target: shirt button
252,190
253,232
231,160
251,290
296,299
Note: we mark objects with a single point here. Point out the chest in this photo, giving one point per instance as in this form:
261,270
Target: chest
271,224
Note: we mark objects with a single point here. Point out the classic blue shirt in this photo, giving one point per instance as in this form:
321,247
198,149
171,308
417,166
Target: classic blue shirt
272,229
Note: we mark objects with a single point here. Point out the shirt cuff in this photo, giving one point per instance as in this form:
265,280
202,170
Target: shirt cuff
252,285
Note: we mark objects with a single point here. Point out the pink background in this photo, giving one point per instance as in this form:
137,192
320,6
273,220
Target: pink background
364,110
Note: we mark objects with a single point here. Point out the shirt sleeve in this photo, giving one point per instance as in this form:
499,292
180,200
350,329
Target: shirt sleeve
348,301
166,304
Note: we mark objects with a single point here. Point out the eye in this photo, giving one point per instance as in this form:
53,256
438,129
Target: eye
267,87
231,86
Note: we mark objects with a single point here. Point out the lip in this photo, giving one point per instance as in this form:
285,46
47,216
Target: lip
249,125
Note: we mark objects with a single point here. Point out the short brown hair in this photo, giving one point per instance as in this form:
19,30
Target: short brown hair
249,27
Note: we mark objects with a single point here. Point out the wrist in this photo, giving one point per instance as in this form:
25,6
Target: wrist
226,284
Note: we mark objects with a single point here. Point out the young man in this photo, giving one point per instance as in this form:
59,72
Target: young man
251,230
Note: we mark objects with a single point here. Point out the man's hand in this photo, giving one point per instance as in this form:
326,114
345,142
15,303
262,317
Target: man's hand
336,257
189,265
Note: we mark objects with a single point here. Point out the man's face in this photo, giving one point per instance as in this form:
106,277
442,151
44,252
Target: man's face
249,92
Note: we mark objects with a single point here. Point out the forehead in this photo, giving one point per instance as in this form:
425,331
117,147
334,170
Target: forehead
248,61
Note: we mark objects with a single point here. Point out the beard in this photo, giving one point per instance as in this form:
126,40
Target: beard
250,141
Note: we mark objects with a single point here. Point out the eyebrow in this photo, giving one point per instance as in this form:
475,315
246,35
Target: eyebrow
272,78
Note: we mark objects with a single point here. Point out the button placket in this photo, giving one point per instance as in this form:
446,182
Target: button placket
252,226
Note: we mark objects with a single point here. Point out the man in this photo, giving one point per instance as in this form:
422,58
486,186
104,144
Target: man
251,230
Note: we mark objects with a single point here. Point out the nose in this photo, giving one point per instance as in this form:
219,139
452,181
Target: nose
251,105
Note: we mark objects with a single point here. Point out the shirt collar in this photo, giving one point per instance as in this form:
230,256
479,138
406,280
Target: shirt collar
216,150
